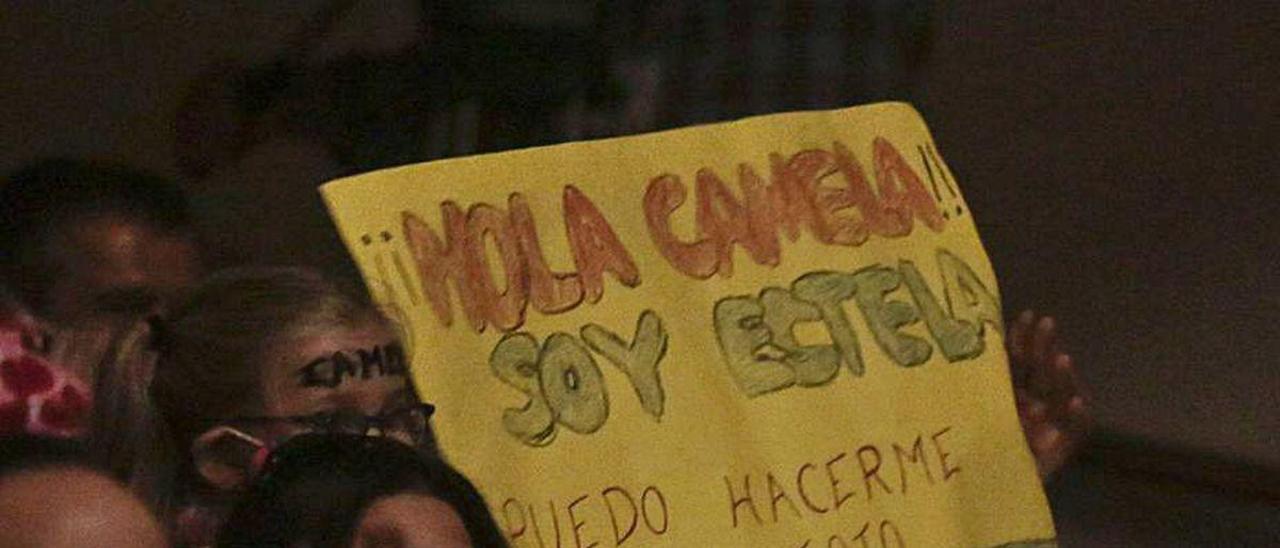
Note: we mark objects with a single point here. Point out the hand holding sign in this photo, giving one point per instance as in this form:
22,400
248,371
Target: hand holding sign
1051,403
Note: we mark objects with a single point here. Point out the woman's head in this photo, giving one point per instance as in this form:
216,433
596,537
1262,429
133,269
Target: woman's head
274,343
409,520
255,356
343,490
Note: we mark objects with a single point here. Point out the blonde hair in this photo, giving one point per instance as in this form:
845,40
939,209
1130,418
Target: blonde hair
169,380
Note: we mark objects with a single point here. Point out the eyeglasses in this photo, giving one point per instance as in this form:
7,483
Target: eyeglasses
410,422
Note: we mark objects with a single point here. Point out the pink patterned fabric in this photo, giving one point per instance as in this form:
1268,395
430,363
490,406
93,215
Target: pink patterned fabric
36,396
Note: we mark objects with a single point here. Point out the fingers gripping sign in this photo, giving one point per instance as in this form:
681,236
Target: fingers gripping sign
1050,397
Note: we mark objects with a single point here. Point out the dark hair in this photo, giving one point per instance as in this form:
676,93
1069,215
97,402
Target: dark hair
316,487
36,199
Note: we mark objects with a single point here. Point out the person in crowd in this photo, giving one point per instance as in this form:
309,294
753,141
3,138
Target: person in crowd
250,359
88,249
50,496
50,493
334,490
94,245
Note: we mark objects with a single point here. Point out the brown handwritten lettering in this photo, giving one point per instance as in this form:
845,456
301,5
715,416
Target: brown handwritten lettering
794,201
735,501
872,470
461,257
596,248
947,470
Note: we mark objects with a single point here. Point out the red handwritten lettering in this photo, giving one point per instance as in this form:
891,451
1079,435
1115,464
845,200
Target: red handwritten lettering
795,201
460,257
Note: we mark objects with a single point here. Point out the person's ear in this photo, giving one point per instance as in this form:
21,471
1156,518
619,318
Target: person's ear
227,458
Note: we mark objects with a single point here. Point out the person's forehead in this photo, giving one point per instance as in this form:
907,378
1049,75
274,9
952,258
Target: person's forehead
304,372
295,354
325,340
113,246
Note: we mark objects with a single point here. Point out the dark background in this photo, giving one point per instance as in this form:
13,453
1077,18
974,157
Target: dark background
1119,157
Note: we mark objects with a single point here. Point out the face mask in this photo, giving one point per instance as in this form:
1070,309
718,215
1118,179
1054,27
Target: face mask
37,397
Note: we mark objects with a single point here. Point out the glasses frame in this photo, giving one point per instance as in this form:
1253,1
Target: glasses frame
352,423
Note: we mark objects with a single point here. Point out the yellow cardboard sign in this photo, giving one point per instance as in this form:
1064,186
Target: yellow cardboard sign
779,331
